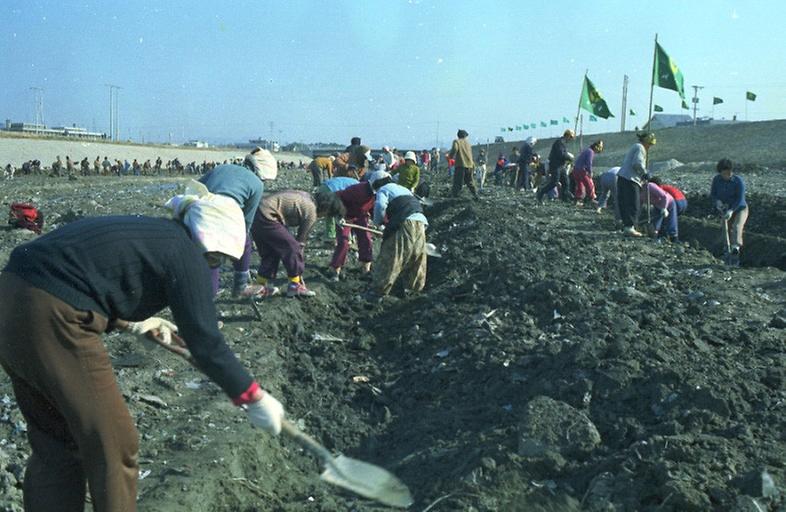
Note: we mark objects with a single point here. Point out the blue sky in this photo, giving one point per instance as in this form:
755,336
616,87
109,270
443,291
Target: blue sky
399,72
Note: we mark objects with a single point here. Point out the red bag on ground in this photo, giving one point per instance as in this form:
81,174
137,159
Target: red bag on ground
26,216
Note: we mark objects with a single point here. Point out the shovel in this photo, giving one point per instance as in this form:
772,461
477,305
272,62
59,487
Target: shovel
425,201
360,477
728,257
431,249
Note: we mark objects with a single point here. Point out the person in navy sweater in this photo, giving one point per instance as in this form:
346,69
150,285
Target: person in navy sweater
728,196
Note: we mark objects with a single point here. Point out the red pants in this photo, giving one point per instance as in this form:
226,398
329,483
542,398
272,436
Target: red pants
342,243
584,184
78,424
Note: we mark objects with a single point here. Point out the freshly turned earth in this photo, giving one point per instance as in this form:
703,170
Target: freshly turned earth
550,364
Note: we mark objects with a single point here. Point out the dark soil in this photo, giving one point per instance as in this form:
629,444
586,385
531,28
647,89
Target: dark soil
550,364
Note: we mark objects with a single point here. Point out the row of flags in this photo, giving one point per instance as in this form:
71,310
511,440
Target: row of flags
665,74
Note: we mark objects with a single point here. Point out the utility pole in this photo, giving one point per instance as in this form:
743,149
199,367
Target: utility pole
624,102
38,93
113,118
696,89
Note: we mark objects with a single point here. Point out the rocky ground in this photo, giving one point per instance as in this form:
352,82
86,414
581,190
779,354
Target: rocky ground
550,364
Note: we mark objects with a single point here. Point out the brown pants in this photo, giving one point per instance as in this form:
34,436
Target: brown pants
403,253
78,425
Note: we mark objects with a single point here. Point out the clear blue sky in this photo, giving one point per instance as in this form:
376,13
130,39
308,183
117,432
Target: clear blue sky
391,71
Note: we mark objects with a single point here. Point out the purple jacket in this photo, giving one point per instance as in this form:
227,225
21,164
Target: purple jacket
584,161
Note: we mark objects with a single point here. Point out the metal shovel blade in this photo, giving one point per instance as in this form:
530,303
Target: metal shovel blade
432,251
367,480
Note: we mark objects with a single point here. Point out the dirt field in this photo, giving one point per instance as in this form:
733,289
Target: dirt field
550,364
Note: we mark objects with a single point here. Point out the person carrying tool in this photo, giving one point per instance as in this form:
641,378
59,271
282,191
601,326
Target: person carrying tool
481,169
358,201
403,250
408,174
60,292
629,181
582,173
461,151
277,245
245,185
727,193
559,159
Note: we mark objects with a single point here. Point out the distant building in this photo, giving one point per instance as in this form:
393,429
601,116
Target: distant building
56,131
270,145
196,144
660,121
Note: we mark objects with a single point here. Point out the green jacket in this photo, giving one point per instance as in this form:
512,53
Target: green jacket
408,175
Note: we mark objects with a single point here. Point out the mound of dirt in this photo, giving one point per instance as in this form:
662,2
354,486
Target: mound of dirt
550,364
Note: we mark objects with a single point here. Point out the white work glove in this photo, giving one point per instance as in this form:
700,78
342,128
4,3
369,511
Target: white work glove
665,213
266,414
153,326
728,214
719,205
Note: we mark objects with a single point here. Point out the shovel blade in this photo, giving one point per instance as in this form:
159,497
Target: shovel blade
367,480
432,251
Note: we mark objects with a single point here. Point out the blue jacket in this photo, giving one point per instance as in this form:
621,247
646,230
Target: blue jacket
339,183
240,184
731,192
386,194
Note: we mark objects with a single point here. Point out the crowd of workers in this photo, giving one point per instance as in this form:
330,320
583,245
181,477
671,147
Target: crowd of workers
60,292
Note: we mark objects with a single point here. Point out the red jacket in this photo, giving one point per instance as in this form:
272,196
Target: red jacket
674,192
358,200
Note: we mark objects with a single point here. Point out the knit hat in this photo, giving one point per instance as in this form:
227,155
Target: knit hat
410,155
215,222
263,163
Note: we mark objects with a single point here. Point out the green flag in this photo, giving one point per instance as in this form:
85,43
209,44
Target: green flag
543,124
750,96
658,108
565,120
593,118
553,122
716,100
502,130
518,128
510,128
632,112
592,101
666,74
685,105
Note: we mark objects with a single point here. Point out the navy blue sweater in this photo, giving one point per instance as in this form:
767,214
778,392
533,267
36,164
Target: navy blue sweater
131,268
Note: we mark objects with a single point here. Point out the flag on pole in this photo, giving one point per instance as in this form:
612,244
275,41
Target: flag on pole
716,100
666,74
632,112
592,101
658,108
510,128
518,128
565,120
543,124
553,122
502,130
750,96
593,118
685,105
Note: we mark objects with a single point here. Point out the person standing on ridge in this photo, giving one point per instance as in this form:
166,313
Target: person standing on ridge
629,181
461,151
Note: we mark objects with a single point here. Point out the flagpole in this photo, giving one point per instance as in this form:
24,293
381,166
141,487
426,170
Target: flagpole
578,109
652,82
652,88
